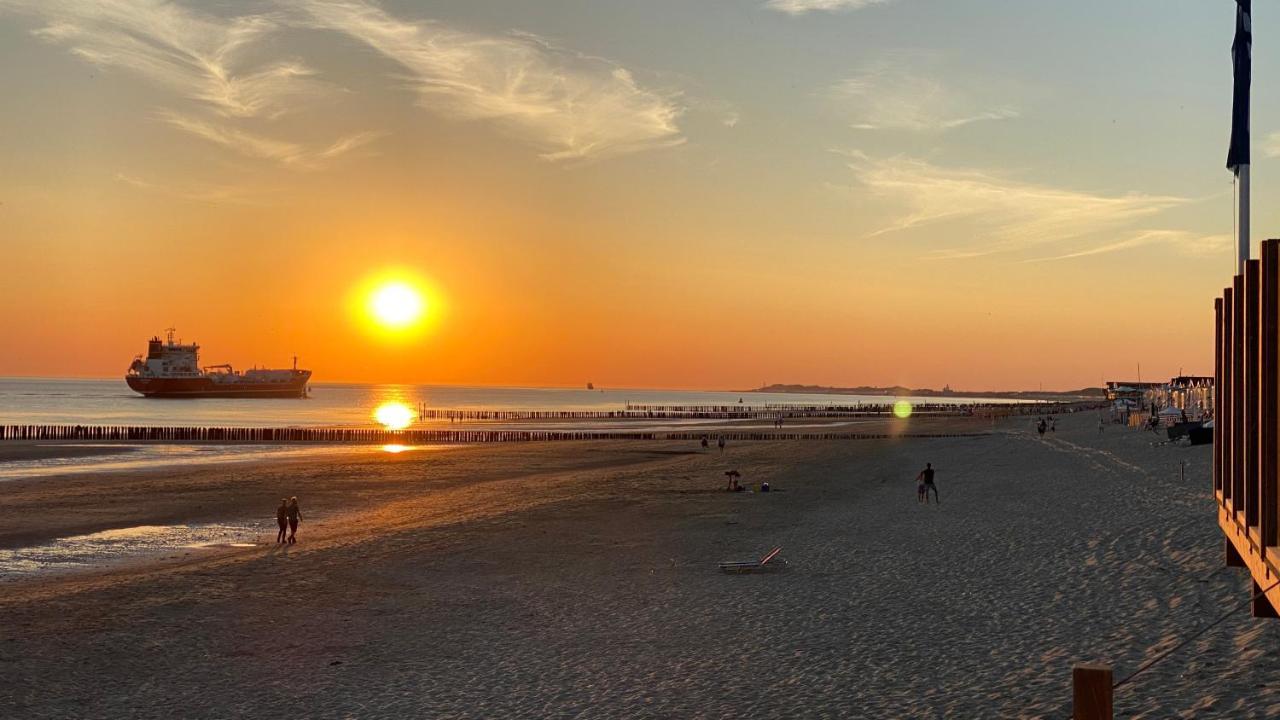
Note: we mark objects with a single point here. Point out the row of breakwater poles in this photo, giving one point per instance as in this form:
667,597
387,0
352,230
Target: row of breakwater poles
751,412
373,436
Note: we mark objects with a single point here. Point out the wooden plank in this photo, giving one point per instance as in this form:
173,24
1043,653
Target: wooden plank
1252,353
1217,394
1241,549
1222,423
1237,396
1269,392
1091,692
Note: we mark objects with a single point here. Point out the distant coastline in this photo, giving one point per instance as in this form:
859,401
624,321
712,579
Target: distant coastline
898,390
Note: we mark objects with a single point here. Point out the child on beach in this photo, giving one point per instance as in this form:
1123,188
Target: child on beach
921,496
282,519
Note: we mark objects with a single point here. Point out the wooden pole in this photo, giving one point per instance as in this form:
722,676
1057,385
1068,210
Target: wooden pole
1269,391
1091,692
1237,398
1252,354
1217,394
1222,424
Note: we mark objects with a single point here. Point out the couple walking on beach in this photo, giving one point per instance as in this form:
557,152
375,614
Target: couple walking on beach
288,515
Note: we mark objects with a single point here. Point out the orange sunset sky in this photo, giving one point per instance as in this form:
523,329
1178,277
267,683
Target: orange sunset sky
711,194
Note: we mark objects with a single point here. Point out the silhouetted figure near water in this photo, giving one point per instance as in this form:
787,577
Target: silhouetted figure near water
282,519
295,516
925,478
720,443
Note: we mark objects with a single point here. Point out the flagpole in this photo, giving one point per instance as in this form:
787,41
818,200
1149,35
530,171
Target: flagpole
1238,152
1242,241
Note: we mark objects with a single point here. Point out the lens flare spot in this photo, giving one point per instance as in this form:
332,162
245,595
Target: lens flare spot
902,409
393,415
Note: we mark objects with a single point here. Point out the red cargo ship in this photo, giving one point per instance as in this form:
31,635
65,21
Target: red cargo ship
173,370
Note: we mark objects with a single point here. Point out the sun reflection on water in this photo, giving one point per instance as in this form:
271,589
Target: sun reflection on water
394,415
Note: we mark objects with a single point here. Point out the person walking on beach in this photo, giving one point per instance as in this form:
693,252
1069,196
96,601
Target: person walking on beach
1040,427
282,519
295,516
925,479
720,442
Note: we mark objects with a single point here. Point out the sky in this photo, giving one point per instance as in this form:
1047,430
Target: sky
716,194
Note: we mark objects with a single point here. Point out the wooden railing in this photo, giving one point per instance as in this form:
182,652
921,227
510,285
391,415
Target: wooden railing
1246,436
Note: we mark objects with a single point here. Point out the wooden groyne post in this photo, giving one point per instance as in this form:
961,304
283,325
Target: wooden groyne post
1091,692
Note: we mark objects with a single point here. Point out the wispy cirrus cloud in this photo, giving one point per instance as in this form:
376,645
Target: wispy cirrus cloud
571,105
202,57
215,63
1003,215
1186,243
800,7
258,146
887,96
214,194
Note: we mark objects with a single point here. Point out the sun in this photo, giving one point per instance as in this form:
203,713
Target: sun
396,305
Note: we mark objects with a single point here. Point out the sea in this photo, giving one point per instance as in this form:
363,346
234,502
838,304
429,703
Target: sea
40,401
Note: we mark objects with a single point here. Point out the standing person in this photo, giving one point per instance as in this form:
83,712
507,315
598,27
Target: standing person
922,495
925,478
295,516
282,519
1040,427
720,442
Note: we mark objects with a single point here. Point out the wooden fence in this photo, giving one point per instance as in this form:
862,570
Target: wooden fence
1246,471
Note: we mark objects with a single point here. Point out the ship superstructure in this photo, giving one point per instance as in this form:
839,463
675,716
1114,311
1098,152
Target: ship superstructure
172,369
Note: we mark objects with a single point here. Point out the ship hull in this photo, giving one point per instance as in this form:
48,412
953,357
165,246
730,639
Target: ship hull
203,387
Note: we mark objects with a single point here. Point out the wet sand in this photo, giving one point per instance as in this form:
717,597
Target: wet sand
579,579
18,451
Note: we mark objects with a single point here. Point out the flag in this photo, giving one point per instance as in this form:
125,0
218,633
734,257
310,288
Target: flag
1241,59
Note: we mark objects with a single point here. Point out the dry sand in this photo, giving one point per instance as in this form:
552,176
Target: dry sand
579,580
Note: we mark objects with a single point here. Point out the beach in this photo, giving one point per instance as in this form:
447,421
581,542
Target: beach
579,579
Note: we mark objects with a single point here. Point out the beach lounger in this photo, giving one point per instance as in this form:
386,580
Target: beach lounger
746,566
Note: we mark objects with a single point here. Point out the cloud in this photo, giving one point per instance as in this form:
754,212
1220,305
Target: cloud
572,106
1271,145
1001,215
800,7
202,57
1185,242
215,194
887,97
261,147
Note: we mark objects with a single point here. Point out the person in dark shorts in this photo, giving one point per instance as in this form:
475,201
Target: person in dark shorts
295,516
282,519
925,478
